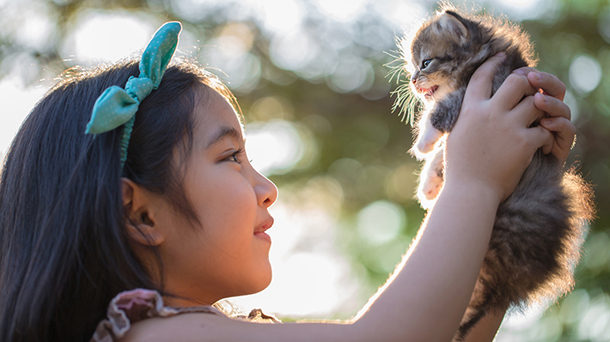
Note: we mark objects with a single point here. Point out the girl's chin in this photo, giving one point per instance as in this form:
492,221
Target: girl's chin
263,279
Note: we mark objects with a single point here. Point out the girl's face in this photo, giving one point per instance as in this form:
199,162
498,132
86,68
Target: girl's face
228,254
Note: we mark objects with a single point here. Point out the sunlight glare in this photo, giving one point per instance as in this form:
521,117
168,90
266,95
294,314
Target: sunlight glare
107,36
274,147
17,102
341,10
310,277
281,16
407,14
36,29
293,52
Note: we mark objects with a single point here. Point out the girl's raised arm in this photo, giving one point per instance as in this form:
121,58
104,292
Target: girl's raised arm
424,300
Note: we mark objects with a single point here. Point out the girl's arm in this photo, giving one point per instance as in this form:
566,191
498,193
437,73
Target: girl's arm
425,298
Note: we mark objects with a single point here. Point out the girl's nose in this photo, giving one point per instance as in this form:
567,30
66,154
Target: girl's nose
266,191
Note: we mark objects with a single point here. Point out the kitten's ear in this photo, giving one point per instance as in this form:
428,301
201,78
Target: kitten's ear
452,23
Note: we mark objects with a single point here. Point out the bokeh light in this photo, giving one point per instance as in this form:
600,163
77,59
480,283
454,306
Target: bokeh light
585,74
17,100
524,9
281,17
293,51
380,222
274,147
107,36
351,74
342,10
595,324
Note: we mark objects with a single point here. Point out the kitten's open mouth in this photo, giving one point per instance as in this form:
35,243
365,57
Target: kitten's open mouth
429,92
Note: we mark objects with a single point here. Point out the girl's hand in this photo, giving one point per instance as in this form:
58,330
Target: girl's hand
492,142
558,113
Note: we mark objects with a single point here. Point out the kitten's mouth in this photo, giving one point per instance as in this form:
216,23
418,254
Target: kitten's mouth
428,92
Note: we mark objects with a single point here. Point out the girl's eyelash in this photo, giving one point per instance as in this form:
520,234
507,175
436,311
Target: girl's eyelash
233,156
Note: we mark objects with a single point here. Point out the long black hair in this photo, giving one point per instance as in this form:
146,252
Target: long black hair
64,250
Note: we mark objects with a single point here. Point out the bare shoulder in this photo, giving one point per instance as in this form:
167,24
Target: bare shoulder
205,327
184,327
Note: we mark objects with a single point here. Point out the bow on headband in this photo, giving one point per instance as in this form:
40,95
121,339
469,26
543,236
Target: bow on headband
117,106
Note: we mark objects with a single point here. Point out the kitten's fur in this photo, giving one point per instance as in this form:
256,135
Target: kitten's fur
538,231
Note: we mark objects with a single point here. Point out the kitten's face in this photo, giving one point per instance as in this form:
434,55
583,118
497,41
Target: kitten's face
433,61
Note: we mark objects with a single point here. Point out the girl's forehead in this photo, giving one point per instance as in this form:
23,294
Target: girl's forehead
214,111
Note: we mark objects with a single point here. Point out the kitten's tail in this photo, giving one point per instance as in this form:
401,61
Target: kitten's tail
472,317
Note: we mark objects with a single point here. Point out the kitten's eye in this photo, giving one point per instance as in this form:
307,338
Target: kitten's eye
425,63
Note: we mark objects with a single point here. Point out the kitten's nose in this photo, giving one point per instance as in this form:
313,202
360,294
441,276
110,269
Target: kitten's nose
413,79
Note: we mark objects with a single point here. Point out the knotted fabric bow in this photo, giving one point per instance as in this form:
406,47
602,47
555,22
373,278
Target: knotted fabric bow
117,106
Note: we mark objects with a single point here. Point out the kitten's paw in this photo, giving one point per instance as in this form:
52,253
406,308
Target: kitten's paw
430,188
427,140
431,179
424,147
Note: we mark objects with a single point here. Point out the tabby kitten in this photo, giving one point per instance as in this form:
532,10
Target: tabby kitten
538,230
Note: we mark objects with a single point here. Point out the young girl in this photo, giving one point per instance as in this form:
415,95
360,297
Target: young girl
166,215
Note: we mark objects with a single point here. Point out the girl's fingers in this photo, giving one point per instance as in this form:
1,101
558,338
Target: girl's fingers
550,84
564,135
543,138
526,113
514,88
552,106
479,87
524,71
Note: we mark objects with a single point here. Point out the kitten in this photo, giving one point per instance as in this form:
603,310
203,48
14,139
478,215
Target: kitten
538,230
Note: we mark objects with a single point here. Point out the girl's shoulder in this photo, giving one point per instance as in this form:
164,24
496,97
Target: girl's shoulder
141,313
133,306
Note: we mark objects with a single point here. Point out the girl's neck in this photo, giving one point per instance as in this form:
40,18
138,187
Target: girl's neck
183,302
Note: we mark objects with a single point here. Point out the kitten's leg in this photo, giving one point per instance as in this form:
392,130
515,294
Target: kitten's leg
426,138
445,112
431,178
439,120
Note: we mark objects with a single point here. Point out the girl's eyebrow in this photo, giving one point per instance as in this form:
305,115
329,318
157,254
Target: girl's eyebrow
223,132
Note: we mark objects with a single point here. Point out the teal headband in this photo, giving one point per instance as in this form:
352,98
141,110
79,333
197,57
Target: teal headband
117,106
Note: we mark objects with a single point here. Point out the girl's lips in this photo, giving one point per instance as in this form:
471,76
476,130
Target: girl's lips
260,231
263,236
266,225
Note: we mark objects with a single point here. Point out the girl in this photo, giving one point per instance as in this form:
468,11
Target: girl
161,198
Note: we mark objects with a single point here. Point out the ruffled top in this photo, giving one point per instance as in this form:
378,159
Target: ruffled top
133,306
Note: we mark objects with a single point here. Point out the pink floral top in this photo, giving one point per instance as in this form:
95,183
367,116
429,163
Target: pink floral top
132,306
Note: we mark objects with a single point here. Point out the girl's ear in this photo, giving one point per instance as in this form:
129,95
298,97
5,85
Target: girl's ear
141,208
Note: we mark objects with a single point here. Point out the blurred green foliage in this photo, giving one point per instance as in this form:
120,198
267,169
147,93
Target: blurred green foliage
359,142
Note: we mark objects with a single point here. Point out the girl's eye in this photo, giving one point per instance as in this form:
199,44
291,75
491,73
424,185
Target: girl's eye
234,156
426,63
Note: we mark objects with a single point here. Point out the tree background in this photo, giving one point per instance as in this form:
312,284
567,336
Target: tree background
311,80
